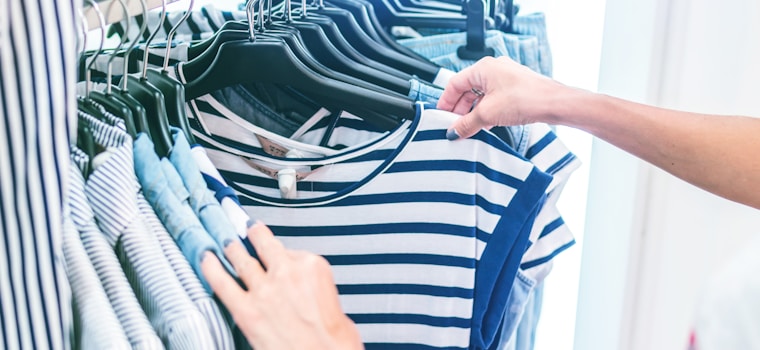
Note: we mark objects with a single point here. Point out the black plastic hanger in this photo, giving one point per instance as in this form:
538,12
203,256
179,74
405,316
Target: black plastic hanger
326,43
269,60
363,43
112,103
365,15
172,90
339,36
390,14
151,97
84,103
475,48
233,30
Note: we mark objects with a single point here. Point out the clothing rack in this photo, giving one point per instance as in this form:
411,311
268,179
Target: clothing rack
117,14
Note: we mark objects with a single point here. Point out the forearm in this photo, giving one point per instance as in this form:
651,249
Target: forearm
720,154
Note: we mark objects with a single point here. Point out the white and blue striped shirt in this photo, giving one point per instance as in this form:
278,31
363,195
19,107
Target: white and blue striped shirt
419,230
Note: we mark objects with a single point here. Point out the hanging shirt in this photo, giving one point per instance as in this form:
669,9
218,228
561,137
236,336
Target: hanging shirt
37,76
97,324
205,206
112,192
223,193
190,282
123,300
373,210
175,213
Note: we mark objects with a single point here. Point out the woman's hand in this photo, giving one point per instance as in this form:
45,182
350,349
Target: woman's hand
504,93
291,301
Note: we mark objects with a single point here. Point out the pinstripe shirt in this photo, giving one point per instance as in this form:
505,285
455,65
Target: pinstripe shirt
97,324
112,192
123,300
37,77
202,300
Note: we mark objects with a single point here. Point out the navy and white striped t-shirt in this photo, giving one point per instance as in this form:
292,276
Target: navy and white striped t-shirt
418,229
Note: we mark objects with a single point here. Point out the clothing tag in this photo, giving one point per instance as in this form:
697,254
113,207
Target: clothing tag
272,148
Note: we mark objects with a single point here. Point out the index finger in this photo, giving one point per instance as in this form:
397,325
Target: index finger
269,249
220,281
457,87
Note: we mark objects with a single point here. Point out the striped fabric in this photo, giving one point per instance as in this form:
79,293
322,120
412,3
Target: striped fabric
112,192
190,282
224,194
96,323
550,235
373,210
37,77
202,300
123,300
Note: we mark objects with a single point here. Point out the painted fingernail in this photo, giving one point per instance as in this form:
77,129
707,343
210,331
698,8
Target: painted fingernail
227,242
250,223
205,255
452,134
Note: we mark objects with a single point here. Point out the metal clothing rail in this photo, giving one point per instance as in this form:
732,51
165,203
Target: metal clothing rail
117,14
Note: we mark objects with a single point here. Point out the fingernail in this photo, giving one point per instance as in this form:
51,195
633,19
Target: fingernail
205,255
452,134
250,223
227,242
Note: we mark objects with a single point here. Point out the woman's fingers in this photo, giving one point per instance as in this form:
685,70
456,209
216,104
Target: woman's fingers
269,249
247,268
220,281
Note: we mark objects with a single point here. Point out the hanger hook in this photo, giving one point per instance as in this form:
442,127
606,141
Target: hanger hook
134,44
102,22
249,8
269,13
83,40
150,38
124,39
170,36
260,18
303,8
288,9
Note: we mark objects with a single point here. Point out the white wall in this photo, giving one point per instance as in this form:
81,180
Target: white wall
651,240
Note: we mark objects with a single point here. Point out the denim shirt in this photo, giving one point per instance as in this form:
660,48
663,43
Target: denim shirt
178,218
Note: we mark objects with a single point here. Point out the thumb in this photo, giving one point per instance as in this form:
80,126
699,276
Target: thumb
469,124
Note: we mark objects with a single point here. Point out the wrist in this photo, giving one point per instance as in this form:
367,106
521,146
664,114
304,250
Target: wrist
568,106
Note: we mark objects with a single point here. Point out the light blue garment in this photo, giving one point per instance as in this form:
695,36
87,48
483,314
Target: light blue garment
178,218
524,337
520,299
442,49
529,45
205,206
535,25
